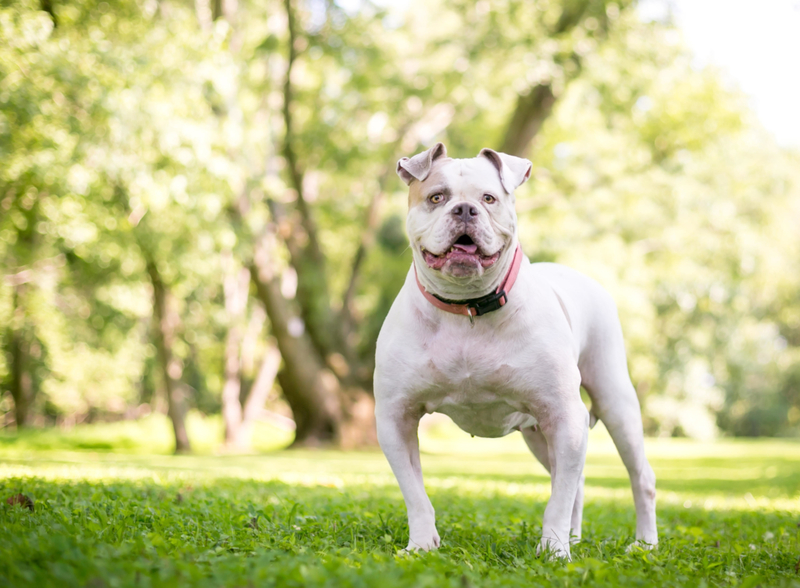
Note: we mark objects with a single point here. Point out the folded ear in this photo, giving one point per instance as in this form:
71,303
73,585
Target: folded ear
419,166
514,171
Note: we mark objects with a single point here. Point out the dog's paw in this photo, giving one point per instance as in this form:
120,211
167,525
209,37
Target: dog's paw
553,549
640,545
418,544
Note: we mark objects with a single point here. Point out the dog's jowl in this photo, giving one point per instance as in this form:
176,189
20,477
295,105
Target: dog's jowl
500,344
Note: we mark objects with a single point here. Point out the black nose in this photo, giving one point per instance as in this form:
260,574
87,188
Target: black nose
466,212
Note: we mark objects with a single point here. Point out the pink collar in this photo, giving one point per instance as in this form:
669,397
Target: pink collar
478,306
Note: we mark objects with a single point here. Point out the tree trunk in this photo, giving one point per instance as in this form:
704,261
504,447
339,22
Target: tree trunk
231,405
533,109
47,6
312,391
241,437
235,286
21,383
312,335
216,9
358,426
302,240
166,321
529,115
239,419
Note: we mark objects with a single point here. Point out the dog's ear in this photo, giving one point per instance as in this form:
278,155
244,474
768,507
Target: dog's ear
419,166
514,171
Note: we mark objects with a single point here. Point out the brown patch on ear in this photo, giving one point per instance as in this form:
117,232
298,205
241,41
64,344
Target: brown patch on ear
419,166
437,180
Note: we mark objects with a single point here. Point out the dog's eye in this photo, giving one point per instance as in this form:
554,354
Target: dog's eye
488,198
436,198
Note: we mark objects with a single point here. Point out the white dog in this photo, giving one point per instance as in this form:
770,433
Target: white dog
499,345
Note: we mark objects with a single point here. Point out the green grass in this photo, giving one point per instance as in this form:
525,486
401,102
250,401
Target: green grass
728,515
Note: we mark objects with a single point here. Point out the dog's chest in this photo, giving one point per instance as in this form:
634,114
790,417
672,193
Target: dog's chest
481,382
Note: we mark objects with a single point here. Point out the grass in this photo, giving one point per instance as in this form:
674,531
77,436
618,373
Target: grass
124,515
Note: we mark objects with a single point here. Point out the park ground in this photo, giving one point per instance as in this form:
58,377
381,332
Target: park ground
110,508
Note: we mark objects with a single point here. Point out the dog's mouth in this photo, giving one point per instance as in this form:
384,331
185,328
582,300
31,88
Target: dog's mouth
463,252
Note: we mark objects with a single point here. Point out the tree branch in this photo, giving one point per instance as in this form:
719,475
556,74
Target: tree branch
289,152
526,121
366,242
301,234
367,239
533,109
47,6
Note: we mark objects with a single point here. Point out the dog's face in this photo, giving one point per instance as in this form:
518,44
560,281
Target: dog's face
461,219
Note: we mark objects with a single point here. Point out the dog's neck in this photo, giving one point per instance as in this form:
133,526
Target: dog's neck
465,288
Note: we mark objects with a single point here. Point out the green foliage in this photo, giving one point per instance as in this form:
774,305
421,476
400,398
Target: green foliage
131,131
336,519
651,179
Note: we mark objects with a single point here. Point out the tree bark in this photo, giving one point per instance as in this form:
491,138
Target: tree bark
21,382
21,385
533,108
358,428
312,391
242,436
529,115
235,286
166,320
239,419
289,152
216,9
367,240
47,6
302,239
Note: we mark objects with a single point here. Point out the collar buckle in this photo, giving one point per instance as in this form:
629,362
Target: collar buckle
489,303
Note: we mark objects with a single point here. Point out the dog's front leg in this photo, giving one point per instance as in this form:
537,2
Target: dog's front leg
397,435
566,436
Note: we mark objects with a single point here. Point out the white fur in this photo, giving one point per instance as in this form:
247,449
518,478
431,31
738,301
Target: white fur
518,368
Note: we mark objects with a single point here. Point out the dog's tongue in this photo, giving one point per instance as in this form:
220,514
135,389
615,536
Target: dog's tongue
466,248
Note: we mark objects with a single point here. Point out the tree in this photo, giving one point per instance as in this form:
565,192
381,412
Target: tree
330,344
195,196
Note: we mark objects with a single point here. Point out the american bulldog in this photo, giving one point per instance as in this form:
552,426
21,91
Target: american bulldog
500,344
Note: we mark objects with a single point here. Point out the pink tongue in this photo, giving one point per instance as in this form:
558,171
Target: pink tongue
468,248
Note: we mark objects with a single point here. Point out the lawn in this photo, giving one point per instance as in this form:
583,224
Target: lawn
111,509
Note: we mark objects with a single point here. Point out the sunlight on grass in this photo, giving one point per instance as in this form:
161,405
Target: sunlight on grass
729,474
149,435
113,497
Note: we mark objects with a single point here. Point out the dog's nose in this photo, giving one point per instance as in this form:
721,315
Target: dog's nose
465,211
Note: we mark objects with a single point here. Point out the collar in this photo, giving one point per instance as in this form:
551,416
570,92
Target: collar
478,306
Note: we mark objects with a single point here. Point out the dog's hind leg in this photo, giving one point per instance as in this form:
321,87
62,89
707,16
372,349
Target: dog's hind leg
538,445
615,403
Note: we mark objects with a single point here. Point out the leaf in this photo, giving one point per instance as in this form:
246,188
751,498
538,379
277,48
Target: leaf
22,499
269,44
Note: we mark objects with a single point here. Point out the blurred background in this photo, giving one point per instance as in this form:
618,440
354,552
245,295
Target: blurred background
201,229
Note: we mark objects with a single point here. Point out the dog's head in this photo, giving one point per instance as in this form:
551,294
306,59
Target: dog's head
461,218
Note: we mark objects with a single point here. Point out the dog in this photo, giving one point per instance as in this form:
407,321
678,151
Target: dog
500,344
